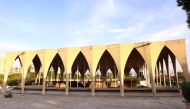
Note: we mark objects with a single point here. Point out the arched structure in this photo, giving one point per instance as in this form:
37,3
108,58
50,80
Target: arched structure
135,61
34,76
37,63
106,71
79,68
58,69
117,58
163,78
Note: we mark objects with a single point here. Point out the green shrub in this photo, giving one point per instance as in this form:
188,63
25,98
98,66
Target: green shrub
29,82
14,82
185,87
14,79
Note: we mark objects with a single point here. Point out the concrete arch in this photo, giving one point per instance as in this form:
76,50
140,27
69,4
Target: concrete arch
37,63
165,51
63,55
125,50
87,52
71,56
78,69
97,52
27,60
155,50
21,62
57,63
164,57
106,56
114,51
81,61
144,50
120,53
180,52
48,56
10,58
132,61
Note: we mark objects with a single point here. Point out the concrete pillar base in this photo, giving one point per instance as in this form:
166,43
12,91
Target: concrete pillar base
66,91
93,93
44,86
22,85
122,94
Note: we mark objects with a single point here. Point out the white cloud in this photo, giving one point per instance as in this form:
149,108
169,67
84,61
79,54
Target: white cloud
79,42
174,32
102,11
100,16
7,46
121,30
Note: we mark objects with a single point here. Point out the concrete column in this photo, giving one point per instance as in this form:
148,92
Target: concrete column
39,77
174,67
167,68
144,70
92,83
22,84
152,74
177,81
4,85
24,73
5,76
156,71
44,85
169,77
160,76
148,75
5,82
67,84
162,67
122,83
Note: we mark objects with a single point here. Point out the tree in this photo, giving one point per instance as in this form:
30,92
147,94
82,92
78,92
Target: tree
185,4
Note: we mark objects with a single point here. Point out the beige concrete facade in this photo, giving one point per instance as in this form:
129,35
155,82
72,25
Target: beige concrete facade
149,54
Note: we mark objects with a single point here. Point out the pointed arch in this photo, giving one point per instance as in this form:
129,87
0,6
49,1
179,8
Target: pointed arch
180,53
164,57
58,72
37,63
164,53
82,64
18,57
87,52
135,61
107,62
9,60
32,61
57,63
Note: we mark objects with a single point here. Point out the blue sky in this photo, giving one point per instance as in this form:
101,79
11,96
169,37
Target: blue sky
41,24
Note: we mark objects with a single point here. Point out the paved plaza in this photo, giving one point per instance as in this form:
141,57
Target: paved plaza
83,100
